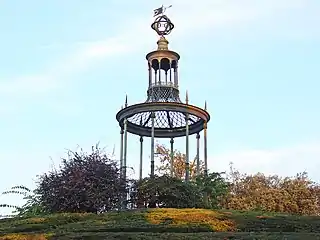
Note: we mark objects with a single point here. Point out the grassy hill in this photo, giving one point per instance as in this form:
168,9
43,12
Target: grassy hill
162,224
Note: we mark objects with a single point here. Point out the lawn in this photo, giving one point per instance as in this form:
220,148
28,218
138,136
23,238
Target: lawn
162,224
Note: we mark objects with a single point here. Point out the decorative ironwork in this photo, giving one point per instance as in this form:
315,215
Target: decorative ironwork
163,94
163,114
162,25
169,122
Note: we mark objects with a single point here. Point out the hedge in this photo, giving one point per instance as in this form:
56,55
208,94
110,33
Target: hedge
162,224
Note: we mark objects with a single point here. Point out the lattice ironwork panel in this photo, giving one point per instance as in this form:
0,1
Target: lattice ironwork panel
163,119
163,94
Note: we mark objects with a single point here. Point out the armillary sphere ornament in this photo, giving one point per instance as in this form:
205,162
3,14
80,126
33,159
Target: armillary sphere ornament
162,24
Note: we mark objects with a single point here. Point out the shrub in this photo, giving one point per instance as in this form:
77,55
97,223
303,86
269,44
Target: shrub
86,182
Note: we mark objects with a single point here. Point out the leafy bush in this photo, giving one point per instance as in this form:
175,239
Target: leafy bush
171,192
84,183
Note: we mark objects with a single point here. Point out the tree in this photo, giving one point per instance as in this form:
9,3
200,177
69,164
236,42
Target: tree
163,154
86,182
296,195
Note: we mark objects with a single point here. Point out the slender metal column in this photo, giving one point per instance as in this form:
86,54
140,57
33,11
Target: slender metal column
205,143
150,74
152,144
170,71
205,148
187,150
124,204
198,154
187,177
121,151
121,166
176,75
159,72
155,77
171,158
141,156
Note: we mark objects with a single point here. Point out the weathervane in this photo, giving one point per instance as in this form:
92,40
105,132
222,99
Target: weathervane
160,10
162,24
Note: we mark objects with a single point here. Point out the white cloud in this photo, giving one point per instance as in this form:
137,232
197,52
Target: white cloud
282,161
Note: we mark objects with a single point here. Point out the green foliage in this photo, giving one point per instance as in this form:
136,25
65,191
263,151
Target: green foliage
134,225
188,236
171,192
213,188
32,207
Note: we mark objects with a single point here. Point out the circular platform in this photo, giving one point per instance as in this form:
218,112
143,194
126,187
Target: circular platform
169,121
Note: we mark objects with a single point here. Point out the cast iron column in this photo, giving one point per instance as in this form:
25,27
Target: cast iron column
150,74
187,143
198,154
121,166
205,148
187,150
141,155
124,204
152,144
121,151
171,158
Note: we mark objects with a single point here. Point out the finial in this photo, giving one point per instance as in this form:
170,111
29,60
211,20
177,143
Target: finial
126,102
163,43
121,107
187,97
162,24
205,105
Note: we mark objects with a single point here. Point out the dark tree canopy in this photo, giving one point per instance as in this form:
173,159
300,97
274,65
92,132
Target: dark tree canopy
85,182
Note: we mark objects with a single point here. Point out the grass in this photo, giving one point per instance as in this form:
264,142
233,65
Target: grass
162,224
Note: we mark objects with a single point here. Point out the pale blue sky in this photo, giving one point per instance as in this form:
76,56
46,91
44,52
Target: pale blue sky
67,65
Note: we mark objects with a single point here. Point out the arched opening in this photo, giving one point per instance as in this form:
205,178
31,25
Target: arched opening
155,66
165,64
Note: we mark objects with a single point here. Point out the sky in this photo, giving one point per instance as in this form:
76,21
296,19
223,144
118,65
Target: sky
66,67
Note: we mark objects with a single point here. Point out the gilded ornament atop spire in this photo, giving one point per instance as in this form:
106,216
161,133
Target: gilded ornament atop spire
163,43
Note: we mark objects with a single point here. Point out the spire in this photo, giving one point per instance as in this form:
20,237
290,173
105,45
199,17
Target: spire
205,105
126,101
187,97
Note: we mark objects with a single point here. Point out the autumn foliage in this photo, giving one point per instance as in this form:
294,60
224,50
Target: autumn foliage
258,192
215,220
295,195
163,154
